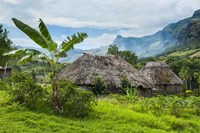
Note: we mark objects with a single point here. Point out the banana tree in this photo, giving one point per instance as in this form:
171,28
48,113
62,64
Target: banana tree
43,38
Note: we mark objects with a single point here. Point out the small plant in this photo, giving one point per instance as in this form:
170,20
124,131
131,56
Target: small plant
74,101
177,105
126,84
195,104
157,104
24,90
99,87
3,85
127,88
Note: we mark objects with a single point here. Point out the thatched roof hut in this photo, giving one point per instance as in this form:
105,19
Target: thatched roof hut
110,68
163,78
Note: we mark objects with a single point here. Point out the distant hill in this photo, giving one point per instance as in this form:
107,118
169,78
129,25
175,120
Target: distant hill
76,53
185,33
73,54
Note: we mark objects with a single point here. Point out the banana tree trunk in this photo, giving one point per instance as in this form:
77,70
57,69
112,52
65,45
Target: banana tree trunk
55,99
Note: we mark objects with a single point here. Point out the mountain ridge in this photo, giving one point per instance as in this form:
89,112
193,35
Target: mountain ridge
171,36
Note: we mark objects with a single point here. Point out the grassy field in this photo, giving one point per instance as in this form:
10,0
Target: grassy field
109,116
185,53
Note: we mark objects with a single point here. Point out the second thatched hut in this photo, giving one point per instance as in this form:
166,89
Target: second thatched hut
110,68
164,79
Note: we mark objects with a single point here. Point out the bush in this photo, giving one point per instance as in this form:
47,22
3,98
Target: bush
3,85
74,101
127,87
157,104
177,105
125,83
99,87
25,91
195,104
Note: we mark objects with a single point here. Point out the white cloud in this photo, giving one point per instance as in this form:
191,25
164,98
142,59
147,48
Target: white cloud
13,2
26,42
91,43
109,14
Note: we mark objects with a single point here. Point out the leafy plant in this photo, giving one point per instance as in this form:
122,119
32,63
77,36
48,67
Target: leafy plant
5,45
45,41
127,55
158,104
99,87
25,91
3,85
177,105
75,102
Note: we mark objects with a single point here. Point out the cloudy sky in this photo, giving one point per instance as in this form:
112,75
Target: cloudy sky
101,19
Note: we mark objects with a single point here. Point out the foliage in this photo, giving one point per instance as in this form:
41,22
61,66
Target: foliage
25,91
158,104
74,101
5,45
177,106
195,104
3,85
108,116
127,87
99,87
125,83
4,97
127,55
45,41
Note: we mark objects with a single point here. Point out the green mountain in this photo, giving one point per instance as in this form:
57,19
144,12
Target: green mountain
185,33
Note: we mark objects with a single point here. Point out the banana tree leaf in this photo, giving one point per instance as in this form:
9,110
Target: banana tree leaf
60,53
33,51
35,35
25,59
19,52
15,52
70,42
44,31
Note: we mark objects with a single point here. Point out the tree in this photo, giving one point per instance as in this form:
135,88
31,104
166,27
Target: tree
44,40
5,45
185,74
197,76
127,55
113,50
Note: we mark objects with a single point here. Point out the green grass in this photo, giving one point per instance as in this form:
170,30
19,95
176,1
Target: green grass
184,53
109,116
197,54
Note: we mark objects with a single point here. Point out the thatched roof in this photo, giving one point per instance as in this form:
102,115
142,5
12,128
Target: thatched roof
160,73
110,68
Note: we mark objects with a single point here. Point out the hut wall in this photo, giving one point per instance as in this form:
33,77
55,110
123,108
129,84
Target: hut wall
3,75
168,89
141,92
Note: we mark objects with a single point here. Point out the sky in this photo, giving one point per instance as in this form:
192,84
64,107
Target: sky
103,20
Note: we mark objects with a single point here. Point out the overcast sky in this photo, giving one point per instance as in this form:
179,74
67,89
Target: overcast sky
126,17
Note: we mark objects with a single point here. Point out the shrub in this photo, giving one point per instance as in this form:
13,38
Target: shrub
127,87
25,91
196,92
195,104
157,104
74,101
3,85
99,87
177,105
125,83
